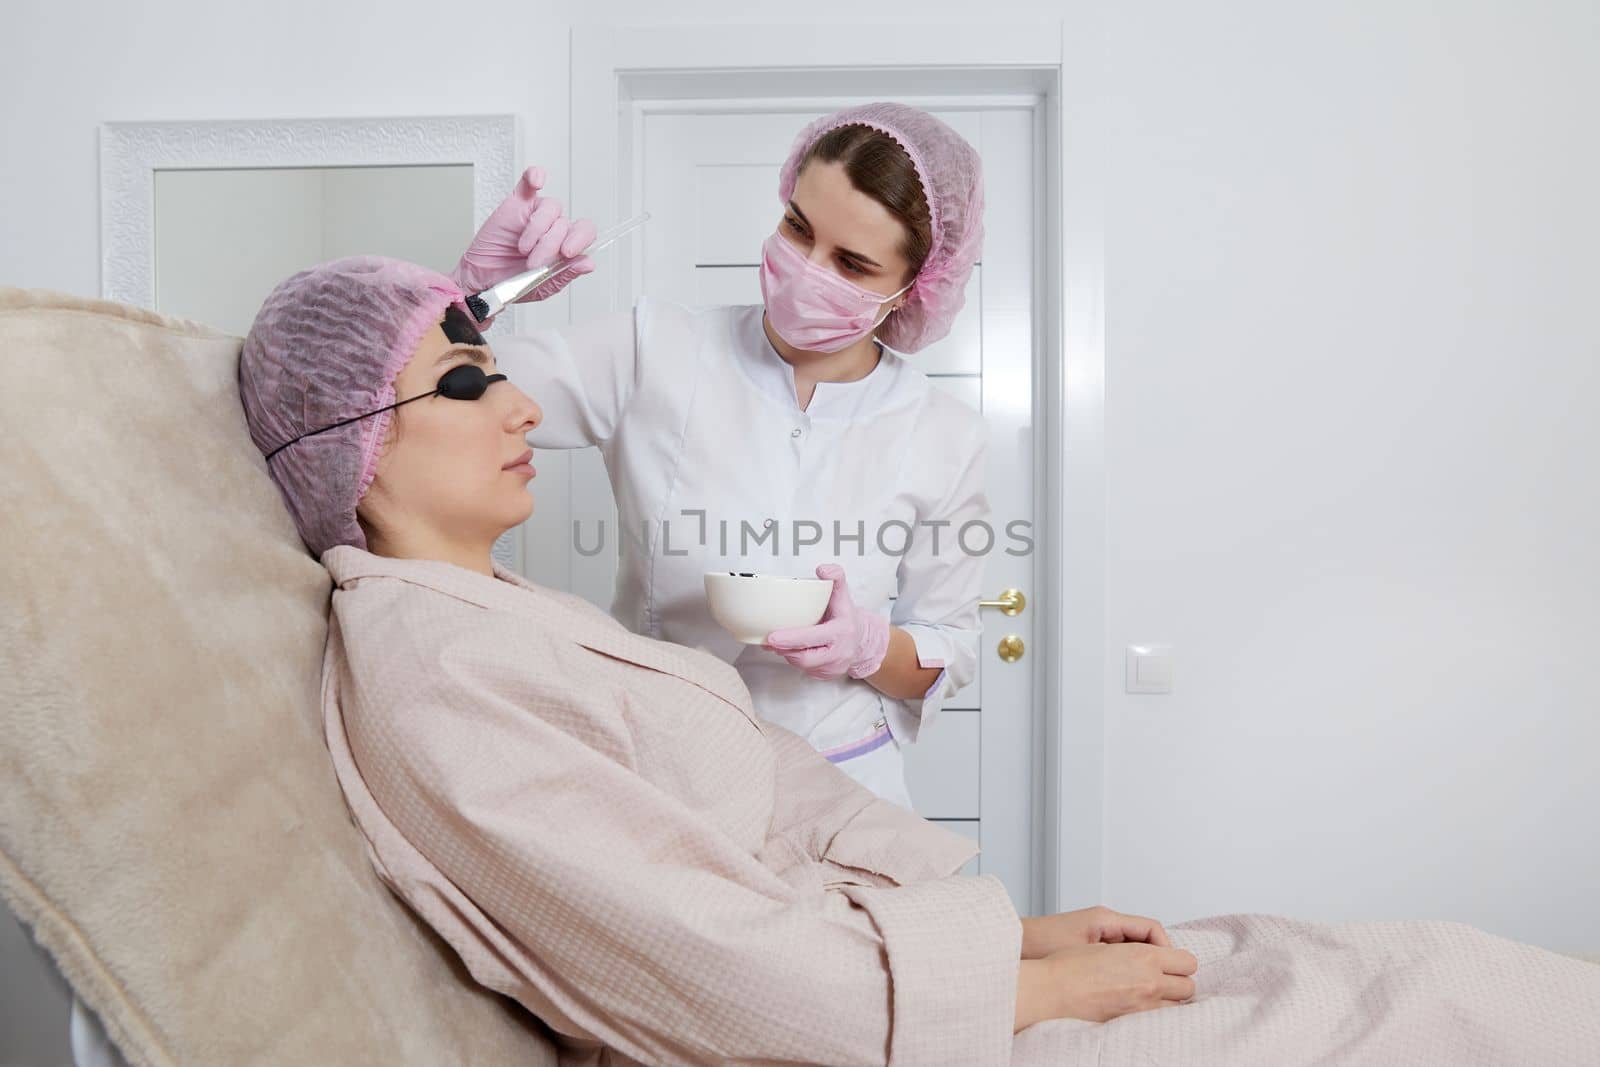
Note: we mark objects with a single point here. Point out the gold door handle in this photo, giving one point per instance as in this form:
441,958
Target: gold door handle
1010,648
1010,602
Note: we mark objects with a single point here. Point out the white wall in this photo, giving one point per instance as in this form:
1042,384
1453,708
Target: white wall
1351,386
1353,382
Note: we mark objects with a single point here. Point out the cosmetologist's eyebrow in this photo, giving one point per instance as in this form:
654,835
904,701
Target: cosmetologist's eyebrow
843,251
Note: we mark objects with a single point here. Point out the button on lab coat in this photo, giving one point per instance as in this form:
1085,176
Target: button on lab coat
715,467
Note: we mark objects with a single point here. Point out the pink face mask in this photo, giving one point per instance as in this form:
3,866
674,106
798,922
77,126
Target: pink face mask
811,307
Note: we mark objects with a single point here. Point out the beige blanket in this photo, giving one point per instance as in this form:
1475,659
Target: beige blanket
1276,992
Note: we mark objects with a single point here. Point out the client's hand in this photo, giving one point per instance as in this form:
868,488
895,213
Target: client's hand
1049,933
1100,982
525,232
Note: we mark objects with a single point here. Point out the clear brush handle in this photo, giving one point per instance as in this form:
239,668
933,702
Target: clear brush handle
613,235
600,242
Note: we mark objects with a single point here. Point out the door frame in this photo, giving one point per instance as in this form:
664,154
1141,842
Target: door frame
620,73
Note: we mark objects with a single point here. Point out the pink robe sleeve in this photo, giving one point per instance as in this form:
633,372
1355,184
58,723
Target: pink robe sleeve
632,916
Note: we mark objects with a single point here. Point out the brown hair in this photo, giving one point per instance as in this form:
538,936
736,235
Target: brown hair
877,165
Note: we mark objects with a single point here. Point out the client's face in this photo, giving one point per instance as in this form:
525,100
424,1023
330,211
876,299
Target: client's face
453,469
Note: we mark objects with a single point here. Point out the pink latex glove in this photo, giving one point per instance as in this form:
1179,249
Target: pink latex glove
848,640
525,232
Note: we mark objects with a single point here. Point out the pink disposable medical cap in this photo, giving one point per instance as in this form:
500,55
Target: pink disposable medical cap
326,346
952,181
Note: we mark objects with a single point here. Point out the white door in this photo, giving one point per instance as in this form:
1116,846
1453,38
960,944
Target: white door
709,179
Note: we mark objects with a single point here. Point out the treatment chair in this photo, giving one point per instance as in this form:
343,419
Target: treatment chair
171,832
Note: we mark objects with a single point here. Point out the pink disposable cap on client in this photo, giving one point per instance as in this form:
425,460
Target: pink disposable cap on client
325,348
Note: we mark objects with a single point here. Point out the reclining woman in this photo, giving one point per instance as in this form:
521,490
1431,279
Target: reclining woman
604,829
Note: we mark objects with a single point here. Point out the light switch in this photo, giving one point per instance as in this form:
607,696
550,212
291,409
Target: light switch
1149,669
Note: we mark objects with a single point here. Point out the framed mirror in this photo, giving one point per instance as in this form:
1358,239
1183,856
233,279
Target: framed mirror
225,237
202,219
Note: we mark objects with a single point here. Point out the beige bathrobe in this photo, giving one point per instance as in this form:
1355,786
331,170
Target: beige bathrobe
604,830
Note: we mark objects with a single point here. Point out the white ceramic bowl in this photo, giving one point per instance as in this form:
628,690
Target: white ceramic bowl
751,606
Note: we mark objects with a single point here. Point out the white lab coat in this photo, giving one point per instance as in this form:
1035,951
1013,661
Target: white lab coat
715,467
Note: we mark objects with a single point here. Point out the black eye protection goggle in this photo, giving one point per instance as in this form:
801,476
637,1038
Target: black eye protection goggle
466,382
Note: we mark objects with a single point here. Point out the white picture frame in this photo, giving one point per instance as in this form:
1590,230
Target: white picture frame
132,152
